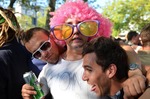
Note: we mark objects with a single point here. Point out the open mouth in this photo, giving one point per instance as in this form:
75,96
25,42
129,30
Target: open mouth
93,87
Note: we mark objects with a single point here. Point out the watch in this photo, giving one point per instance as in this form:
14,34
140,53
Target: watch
133,66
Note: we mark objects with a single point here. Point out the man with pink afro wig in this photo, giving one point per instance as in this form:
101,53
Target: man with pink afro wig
82,10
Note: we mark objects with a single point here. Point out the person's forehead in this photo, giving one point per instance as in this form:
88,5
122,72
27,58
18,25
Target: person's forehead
73,20
89,58
35,42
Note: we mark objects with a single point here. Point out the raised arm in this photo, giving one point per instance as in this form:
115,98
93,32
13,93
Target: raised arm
135,84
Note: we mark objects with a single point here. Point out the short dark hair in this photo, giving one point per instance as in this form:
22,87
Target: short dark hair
108,52
26,36
131,34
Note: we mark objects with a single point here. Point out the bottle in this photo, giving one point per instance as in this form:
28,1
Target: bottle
30,78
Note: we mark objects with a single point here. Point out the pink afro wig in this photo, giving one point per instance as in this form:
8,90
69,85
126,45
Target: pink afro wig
81,10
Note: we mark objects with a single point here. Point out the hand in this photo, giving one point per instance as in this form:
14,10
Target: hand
27,91
134,86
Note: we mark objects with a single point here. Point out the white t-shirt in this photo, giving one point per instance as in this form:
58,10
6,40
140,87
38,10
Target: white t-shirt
64,80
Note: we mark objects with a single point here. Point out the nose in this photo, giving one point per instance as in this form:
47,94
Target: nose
84,77
76,31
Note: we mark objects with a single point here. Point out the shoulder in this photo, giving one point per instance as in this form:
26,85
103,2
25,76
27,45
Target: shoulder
136,48
4,53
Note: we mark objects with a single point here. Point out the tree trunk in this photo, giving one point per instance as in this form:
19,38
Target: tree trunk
11,5
51,9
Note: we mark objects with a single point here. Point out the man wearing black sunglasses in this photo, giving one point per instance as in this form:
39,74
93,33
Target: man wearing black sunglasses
72,23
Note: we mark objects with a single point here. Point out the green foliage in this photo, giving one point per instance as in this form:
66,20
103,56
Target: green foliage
128,14
26,21
42,19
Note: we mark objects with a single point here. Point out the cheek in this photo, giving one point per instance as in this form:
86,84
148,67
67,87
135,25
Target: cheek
103,85
85,38
96,80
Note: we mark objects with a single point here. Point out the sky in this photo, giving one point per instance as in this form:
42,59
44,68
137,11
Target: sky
101,3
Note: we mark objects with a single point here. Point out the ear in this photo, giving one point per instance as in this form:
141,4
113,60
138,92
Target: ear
111,71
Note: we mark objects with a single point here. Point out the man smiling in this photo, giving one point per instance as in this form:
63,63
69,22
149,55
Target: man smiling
105,66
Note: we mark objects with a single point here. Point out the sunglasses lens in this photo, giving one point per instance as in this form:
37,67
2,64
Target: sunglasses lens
45,46
88,28
37,54
62,32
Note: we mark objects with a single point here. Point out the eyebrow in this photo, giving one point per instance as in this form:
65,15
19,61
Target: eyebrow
86,66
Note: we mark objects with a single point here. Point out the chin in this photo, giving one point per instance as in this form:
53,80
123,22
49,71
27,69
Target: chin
98,94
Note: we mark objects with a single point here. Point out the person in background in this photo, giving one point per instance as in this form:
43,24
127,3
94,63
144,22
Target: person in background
105,65
133,40
14,58
78,25
144,55
144,51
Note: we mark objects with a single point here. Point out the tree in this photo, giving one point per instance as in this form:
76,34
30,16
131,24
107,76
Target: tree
128,14
51,8
11,4
23,2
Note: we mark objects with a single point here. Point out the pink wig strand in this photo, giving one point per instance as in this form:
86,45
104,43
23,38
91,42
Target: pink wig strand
81,10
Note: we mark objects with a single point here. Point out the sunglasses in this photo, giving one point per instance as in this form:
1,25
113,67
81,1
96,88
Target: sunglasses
87,28
44,47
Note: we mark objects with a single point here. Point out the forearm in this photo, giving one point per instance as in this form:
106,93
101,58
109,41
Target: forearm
132,56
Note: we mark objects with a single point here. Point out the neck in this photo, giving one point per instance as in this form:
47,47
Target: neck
115,87
72,54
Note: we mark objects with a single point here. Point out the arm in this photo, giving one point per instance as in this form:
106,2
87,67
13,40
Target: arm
135,84
28,91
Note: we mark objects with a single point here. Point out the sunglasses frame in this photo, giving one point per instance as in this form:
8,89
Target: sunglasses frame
77,26
40,50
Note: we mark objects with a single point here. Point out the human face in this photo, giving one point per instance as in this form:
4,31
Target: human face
77,40
136,39
95,76
35,44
